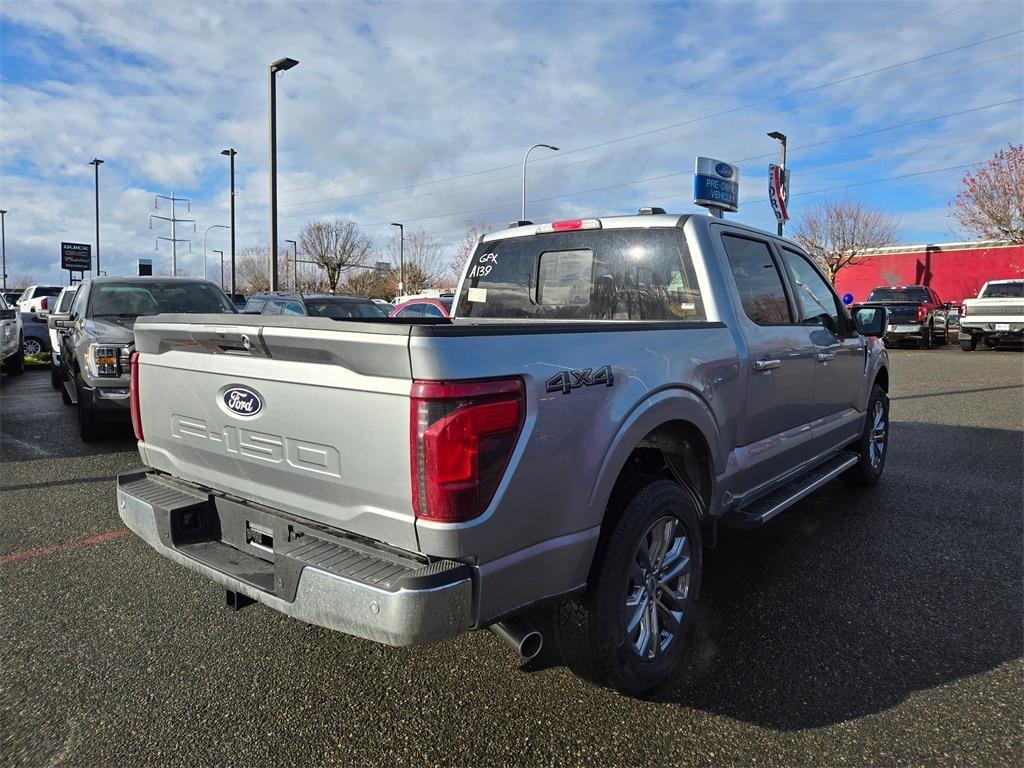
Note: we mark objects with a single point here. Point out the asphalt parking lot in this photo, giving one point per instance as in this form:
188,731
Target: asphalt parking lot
860,627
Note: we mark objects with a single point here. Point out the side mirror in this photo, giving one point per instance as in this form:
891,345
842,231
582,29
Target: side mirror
7,314
872,321
57,322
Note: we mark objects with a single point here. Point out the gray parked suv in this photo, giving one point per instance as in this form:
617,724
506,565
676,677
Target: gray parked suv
608,393
96,337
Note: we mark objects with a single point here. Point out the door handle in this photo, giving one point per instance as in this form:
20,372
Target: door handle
824,357
766,365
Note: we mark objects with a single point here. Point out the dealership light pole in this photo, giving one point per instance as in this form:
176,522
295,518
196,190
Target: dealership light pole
230,152
401,256
3,242
96,163
781,138
281,65
522,211
212,226
295,265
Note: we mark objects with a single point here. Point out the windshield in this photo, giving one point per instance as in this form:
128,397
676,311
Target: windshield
343,309
136,299
899,294
1004,291
619,274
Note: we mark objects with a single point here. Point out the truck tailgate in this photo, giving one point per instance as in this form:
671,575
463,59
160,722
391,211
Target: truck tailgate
309,416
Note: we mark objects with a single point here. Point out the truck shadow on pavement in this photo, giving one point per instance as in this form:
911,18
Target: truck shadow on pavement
856,598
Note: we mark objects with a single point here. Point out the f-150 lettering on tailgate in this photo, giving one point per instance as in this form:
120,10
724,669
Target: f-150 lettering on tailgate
301,454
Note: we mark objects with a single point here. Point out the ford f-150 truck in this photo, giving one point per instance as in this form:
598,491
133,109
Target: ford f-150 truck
607,393
996,315
916,313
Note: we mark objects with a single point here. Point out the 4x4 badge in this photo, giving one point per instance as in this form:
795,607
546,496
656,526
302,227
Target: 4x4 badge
566,381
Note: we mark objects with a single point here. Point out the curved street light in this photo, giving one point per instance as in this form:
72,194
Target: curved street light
522,210
212,226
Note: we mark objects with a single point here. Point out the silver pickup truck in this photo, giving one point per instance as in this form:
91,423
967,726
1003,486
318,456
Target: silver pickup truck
608,392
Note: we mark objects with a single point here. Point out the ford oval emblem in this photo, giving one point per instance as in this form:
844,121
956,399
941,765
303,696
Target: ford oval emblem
724,170
242,401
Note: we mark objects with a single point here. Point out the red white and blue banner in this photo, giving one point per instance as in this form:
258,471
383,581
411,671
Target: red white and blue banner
778,191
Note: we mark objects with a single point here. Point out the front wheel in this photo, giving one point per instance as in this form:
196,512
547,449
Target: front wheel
87,428
927,338
32,347
873,445
628,630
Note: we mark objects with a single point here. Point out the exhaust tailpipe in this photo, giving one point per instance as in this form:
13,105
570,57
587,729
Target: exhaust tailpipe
520,636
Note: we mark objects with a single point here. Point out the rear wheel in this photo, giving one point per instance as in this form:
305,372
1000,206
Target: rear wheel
969,345
32,347
628,630
927,338
873,445
15,364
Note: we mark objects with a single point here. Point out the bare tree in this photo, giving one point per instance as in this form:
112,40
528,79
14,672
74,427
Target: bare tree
465,249
336,246
990,204
252,269
372,284
21,281
836,232
424,261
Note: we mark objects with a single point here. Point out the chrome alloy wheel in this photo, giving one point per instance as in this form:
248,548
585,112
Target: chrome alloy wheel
879,435
32,346
659,583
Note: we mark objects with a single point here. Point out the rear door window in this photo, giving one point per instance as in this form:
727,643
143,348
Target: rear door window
614,274
758,281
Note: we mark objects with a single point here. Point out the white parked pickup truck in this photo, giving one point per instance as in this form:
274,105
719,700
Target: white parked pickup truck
996,315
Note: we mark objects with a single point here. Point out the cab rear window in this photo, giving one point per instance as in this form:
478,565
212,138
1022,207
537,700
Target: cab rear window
618,274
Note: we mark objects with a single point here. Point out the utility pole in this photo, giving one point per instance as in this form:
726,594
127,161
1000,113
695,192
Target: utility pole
295,265
781,138
230,152
174,239
3,242
96,163
401,257
281,65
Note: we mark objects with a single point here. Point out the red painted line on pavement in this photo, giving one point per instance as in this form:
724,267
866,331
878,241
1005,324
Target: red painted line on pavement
29,554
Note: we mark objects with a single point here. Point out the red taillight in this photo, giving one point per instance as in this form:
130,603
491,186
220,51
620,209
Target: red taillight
922,313
44,304
133,397
963,310
562,226
463,434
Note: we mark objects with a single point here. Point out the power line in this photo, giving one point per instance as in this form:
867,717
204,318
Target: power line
774,64
680,124
605,155
800,147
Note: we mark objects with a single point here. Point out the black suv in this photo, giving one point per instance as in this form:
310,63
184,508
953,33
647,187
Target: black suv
333,306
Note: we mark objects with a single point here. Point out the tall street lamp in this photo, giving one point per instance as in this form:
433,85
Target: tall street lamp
3,242
295,265
281,65
212,226
96,163
401,257
522,211
781,138
230,152
214,250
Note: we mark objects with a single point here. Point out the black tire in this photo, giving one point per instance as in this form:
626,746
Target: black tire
868,470
969,345
927,339
15,364
32,347
591,630
87,428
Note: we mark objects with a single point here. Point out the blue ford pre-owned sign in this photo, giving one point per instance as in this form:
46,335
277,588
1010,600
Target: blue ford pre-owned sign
716,184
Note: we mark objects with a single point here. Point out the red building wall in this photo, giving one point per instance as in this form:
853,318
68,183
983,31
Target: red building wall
956,271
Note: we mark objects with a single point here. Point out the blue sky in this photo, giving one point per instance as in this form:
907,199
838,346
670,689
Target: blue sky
420,112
